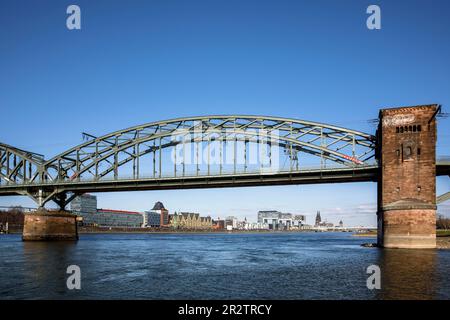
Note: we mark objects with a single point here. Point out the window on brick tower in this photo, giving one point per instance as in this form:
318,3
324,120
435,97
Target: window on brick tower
407,152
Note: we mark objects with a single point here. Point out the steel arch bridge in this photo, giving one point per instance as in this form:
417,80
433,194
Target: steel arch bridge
195,152
192,152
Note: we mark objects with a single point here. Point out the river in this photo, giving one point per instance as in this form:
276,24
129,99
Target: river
219,266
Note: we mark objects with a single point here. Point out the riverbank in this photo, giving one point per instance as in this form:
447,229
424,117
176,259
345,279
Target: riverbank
366,234
443,239
443,233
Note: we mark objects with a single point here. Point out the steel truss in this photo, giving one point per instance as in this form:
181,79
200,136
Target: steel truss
116,156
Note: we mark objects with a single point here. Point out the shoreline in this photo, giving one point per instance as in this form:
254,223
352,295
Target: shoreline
84,232
188,232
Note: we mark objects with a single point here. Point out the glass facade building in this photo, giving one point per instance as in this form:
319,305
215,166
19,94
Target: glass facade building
152,219
117,218
280,221
85,206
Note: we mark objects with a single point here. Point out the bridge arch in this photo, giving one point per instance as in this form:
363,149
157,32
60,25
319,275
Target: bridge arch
98,157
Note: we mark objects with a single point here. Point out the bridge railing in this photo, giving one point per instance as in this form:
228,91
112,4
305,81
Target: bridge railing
214,172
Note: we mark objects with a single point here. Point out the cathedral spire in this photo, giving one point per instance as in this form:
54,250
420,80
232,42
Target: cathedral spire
318,219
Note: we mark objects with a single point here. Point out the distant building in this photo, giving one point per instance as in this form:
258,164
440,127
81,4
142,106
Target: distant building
151,219
85,207
255,226
318,219
157,217
84,204
189,220
163,213
114,218
322,224
280,221
218,224
231,221
341,224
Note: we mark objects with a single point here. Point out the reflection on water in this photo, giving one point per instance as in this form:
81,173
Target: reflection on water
47,259
408,274
218,266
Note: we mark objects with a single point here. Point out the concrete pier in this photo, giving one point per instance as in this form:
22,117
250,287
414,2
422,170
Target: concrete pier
43,225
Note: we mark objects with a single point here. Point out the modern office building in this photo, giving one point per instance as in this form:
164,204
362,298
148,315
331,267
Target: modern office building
218,224
280,221
118,218
85,206
151,219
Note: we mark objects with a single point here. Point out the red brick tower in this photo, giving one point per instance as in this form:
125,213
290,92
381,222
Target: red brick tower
407,177
163,212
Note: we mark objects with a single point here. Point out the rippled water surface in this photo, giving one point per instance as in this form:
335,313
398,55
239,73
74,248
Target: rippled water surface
219,266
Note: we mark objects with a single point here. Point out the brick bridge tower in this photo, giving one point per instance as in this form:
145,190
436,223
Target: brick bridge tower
407,177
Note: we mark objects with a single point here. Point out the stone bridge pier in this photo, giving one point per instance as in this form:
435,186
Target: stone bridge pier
50,225
45,225
406,153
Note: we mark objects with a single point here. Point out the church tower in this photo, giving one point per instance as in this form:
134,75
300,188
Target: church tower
318,219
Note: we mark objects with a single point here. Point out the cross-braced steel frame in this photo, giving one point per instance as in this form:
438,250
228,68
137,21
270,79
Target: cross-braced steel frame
140,154
19,166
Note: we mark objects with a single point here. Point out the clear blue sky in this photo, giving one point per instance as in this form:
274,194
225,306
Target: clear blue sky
139,61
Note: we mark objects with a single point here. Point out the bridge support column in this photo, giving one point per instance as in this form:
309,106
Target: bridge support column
43,225
407,177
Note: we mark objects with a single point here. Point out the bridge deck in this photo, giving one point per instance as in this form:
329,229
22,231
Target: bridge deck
332,175
311,176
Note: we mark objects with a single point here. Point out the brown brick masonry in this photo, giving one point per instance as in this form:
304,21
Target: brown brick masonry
407,177
49,225
415,228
